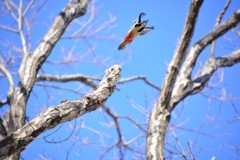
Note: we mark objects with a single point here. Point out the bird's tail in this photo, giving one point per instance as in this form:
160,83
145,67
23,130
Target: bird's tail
122,46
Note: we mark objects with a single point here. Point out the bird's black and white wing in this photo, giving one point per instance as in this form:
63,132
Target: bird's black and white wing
146,30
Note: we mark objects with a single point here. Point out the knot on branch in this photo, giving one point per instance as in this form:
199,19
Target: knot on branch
104,89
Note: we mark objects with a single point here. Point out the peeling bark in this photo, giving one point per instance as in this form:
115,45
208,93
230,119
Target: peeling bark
55,115
31,63
182,88
160,115
178,83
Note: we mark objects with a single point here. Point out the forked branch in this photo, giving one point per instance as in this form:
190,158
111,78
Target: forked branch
58,114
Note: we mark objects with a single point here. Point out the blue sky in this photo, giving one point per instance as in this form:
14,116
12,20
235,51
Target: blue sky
149,56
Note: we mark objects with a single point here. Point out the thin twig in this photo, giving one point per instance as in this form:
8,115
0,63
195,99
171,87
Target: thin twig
63,140
178,142
193,157
22,37
58,87
68,78
115,119
218,20
10,10
9,78
129,79
27,8
8,28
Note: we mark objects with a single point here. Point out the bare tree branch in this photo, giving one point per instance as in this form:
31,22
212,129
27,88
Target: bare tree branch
31,63
211,66
206,40
3,102
20,30
134,122
8,28
120,144
3,128
67,78
116,121
179,54
9,78
205,74
219,18
10,9
29,68
58,114
14,5
183,154
58,87
89,80
129,79
182,88
27,8
160,115
178,83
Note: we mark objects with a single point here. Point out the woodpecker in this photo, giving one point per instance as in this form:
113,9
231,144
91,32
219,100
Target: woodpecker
138,28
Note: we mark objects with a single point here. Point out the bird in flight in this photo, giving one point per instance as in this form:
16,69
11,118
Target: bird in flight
138,28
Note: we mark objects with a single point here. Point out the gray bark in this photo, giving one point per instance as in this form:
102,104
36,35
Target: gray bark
31,63
178,83
18,140
160,115
15,135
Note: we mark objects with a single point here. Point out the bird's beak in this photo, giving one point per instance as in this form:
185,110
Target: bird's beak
142,24
145,22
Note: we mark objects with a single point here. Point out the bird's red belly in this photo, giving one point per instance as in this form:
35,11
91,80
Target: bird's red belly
129,38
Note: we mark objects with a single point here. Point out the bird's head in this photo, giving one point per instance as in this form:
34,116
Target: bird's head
139,18
141,26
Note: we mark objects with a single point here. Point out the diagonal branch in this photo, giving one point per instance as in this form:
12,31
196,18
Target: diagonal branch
211,66
9,78
89,80
8,29
28,7
58,114
179,54
67,78
10,10
117,125
184,80
29,67
219,18
206,40
21,33
160,115
205,74
129,79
